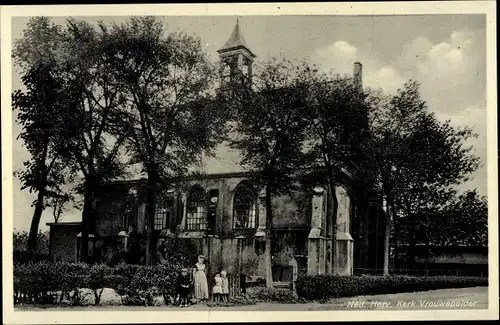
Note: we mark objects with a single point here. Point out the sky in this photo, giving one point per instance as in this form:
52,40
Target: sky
446,54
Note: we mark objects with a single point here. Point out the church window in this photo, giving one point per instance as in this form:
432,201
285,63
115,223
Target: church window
196,209
164,213
244,207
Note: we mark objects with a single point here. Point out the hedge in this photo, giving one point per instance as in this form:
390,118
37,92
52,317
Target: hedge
43,282
48,282
319,287
275,295
258,295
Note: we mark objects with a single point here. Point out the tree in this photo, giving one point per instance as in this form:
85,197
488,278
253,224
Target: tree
415,154
58,203
20,242
38,114
169,113
91,146
462,220
38,106
448,162
41,41
337,129
469,221
72,73
269,131
22,254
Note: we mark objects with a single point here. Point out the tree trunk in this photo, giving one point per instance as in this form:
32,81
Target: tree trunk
387,235
35,223
269,237
41,179
150,218
395,236
87,216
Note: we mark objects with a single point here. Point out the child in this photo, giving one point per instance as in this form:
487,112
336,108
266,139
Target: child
217,289
183,288
225,286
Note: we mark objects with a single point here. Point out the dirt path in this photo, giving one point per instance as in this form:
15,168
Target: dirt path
466,298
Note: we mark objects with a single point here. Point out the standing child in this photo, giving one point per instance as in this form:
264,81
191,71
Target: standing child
183,288
225,286
217,289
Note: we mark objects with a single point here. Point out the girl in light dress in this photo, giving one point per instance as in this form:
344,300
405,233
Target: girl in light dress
217,289
225,286
200,279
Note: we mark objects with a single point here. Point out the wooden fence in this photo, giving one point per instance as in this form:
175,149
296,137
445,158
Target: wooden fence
234,285
234,282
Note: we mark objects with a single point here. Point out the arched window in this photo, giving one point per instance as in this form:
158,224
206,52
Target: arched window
245,207
164,212
196,206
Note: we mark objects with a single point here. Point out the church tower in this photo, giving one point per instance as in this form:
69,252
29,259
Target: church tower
236,59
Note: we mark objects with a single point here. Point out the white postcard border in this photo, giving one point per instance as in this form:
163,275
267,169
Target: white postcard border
381,8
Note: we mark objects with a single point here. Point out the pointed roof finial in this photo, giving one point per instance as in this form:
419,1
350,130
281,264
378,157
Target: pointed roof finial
236,40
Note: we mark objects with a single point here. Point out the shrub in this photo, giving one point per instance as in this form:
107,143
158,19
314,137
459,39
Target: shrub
25,257
20,242
125,270
321,287
177,251
20,246
142,287
137,285
250,262
72,277
98,278
36,283
41,282
166,280
274,295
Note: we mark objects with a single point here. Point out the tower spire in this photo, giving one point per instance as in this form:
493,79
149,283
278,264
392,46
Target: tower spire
236,41
236,59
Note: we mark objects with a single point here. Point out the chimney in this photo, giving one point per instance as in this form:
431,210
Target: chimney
358,75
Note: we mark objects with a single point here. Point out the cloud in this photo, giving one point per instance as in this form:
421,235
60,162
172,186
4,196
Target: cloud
344,48
340,57
386,77
451,71
452,74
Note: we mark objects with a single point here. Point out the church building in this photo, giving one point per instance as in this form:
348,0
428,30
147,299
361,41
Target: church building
223,215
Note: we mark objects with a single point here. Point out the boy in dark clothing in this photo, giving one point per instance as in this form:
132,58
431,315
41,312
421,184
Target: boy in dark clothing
184,288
